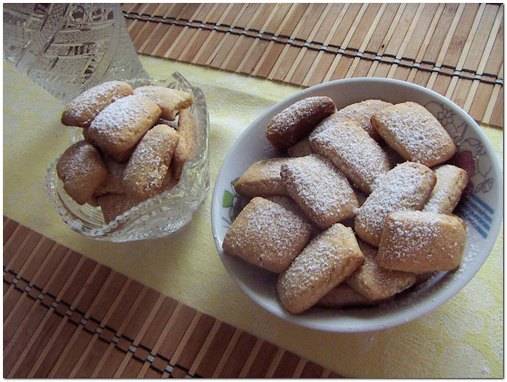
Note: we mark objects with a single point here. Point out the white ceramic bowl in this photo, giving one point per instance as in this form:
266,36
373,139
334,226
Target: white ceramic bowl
481,208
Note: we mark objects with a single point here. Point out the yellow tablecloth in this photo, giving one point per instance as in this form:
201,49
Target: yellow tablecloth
463,338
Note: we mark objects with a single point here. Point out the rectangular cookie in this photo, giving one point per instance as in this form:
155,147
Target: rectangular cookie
296,121
406,187
451,182
267,235
353,151
375,282
420,242
187,144
325,262
343,296
262,179
411,130
361,112
321,191
118,128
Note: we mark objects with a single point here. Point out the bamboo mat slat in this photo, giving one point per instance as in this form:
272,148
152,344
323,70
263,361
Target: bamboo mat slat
455,49
66,316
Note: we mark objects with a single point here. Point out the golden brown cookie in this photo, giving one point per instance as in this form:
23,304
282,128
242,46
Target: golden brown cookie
414,133
113,205
420,242
353,151
300,149
406,187
451,182
262,179
343,296
320,190
298,120
361,112
84,108
188,143
267,235
118,128
376,283
150,162
114,181
325,262
170,101
82,171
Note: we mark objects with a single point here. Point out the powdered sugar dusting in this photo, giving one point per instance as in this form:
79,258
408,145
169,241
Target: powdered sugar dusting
451,181
124,112
324,263
405,187
353,151
361,112
422,241
267,234
417,131
320,189
91,102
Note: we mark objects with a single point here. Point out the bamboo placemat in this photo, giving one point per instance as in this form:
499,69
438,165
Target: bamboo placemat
68,316
454,49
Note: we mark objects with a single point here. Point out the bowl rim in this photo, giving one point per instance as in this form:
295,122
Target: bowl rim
422,307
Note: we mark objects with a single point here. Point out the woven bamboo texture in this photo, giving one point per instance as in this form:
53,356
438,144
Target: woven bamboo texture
67,316
454,49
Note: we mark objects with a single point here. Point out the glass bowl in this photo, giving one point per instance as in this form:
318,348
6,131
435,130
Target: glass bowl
158,216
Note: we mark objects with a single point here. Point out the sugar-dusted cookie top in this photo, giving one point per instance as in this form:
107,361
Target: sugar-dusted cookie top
149,164
411,130
267,235
84,108
325,262
353,151
322,192
118,128
361,112
298,120
406,187
420,242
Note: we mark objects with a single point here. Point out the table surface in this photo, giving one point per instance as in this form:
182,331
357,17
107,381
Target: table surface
218,36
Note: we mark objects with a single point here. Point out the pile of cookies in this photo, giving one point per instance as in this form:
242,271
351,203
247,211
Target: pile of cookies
135,144
358,210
